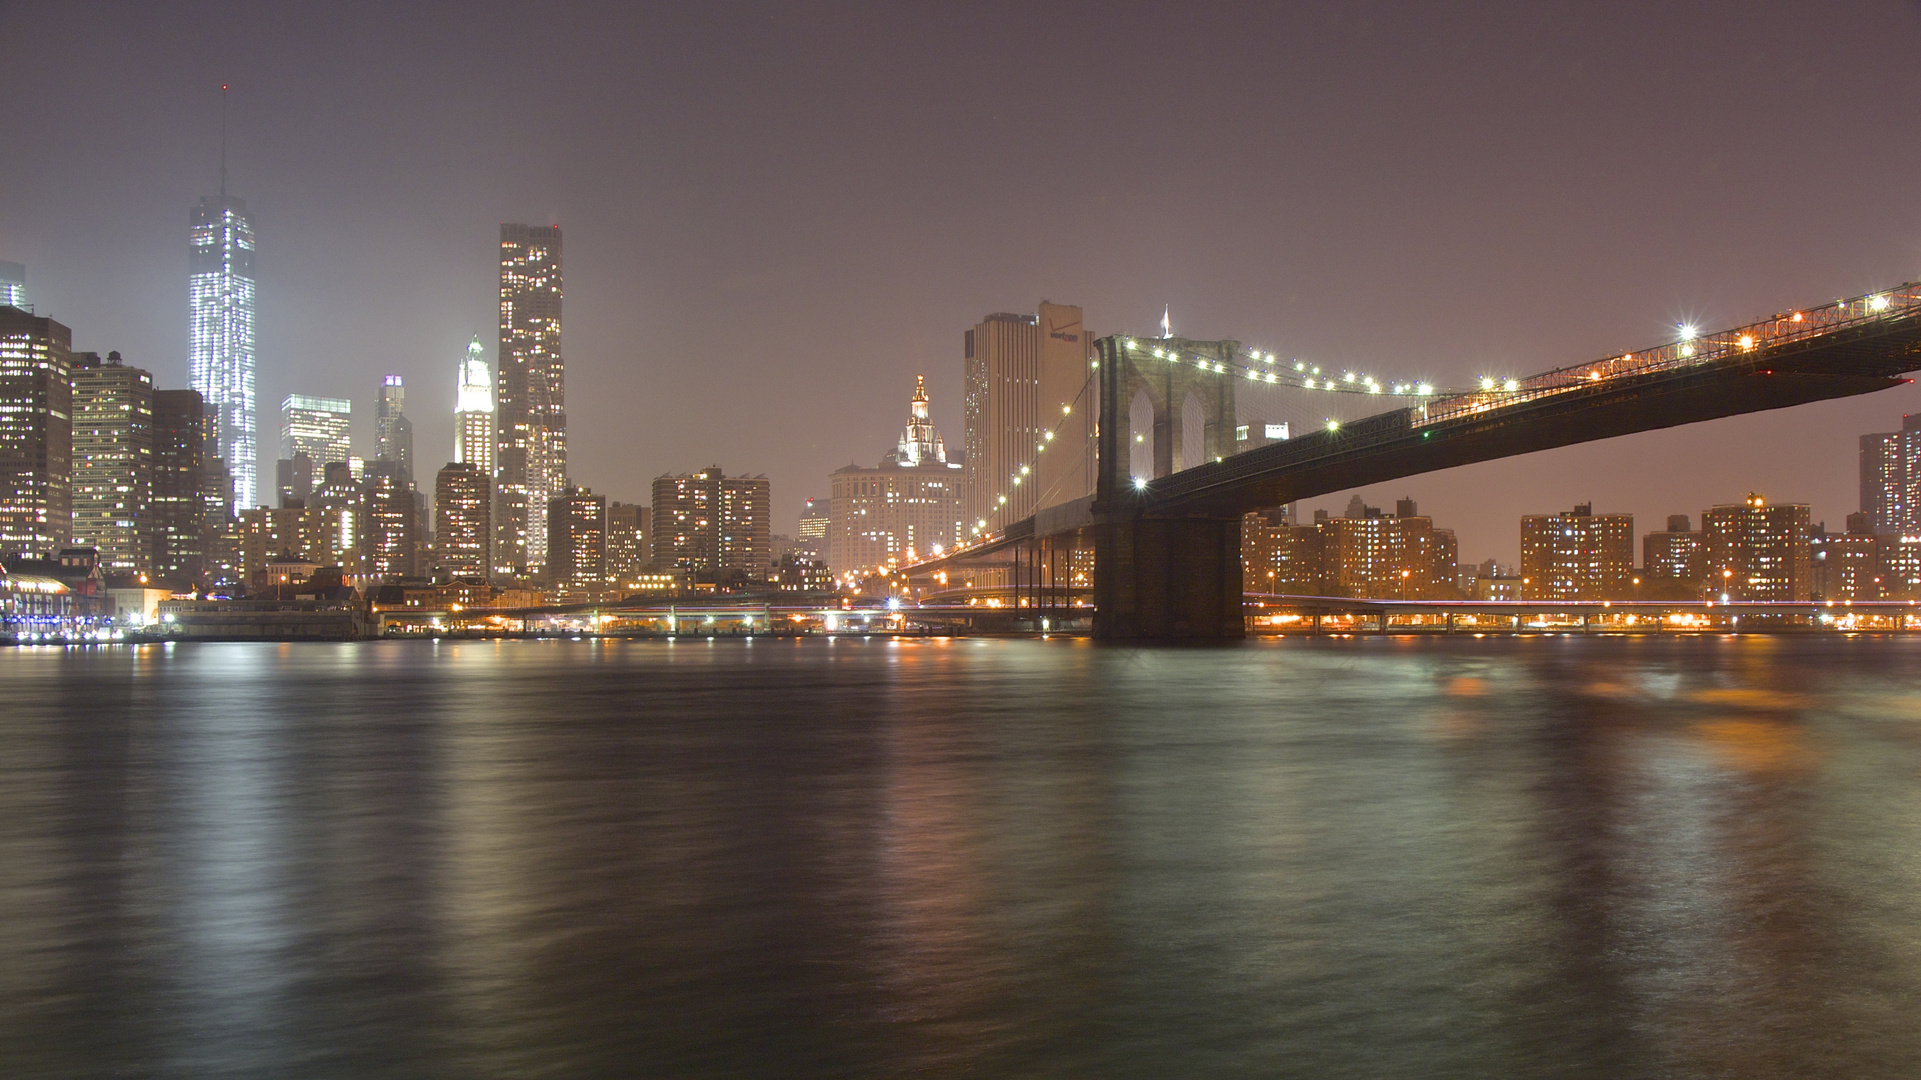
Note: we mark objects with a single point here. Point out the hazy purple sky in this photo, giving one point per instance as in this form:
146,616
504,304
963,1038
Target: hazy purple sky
776,216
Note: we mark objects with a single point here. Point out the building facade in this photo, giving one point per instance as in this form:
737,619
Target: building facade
393,432
220,328
13,285
113,462
390,541
1675,554
271,534
1577,555
629,544
36,434
1891,477
320,428
179,513
530,414
1758,551
909,507
1377,556
1846,566
708,522
1029,383
577,544
463,520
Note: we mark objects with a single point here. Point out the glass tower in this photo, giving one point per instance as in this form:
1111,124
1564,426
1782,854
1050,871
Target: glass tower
220,350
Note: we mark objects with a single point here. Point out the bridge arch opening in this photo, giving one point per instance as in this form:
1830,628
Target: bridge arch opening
1193,445
1140,436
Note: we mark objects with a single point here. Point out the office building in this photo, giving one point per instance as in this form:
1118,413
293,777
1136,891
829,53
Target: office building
1757,550
178,513
113,462
393,432
390,540
319,427
1577,555
36,434
905,509
811,536
13,285
474,411
1675,555
220,328
1029,383
530,415
577,543
463,520
629,543
712,524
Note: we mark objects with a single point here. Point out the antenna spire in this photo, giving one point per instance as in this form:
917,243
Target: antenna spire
1167,326
223,140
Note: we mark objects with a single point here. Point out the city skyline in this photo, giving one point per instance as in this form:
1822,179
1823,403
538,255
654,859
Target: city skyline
1541,286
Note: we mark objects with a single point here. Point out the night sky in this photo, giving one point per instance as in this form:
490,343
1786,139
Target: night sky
775,217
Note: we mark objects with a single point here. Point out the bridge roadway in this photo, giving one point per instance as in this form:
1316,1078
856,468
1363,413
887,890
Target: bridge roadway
1167,550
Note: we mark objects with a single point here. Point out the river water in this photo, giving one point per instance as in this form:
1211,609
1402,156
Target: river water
1378,857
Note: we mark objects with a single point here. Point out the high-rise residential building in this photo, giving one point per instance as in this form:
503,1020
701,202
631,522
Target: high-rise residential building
343,504
390,541
907,508
474,411
220,327
36,434
1675,554
113,462
577,542
222,537
13,285
530,414
319,427
1378,556
1029,383
269,534
179,516
463,520
629,543
393,432
1846,566
1757,550
708,522
1577,555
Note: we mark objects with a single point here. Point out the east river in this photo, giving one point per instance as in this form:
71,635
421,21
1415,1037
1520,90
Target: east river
1501,857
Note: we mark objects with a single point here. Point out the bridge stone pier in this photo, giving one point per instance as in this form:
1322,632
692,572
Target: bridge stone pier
1162,576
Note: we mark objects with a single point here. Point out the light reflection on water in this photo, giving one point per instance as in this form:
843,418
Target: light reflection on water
1367,857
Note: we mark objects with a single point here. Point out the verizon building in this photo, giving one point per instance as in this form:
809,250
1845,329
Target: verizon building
1029,385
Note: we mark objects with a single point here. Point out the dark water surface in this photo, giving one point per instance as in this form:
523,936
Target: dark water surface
1367,858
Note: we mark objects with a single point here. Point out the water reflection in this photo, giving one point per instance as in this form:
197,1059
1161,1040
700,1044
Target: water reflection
868,858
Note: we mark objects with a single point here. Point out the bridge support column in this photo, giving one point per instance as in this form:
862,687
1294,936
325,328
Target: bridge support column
1168,578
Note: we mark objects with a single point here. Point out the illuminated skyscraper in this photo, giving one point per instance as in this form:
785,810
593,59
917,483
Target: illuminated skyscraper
530,430
474,412
317,427
13,285
36,434
393,432
113,462
463,519
220,344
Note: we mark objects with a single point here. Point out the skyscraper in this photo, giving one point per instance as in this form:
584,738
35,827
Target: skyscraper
393,432
463,519
474,411
1027,377
530,431
179,516
13,285
1891,477
577,542
220,344
36,434
708,523
113,461
390,541
318,427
